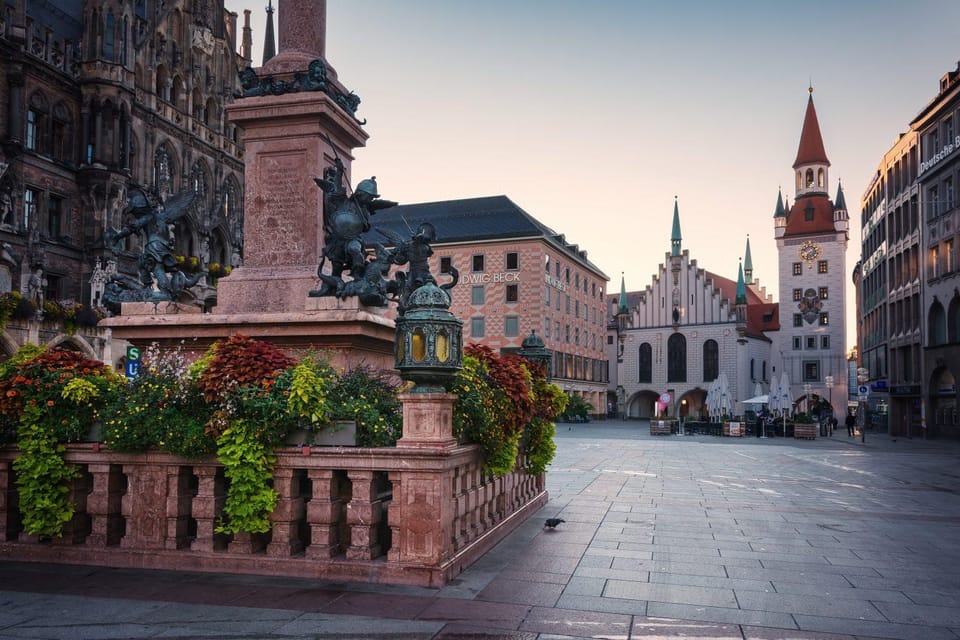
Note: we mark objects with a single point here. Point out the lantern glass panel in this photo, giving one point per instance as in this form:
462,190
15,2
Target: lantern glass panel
443,346
419,346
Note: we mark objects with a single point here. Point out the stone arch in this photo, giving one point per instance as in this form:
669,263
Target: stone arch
692,404
936,324
641,404
73,343
953,318
943,400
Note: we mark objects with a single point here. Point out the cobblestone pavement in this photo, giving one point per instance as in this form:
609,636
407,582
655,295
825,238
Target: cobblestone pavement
665,537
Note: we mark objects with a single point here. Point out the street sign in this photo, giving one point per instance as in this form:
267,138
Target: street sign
664,398
133,362
863,391
133,369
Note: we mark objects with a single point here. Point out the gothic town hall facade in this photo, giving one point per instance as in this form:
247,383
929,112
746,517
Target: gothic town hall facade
99,96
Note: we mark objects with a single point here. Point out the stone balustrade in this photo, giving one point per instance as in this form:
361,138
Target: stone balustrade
414,514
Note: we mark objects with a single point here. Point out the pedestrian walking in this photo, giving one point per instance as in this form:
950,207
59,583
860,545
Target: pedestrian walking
851,422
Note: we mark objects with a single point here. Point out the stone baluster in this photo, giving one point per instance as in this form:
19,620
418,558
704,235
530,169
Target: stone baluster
396,531
103,505
288,514
324,514
4,499
75,530
206,507
460,497
178,506
363,515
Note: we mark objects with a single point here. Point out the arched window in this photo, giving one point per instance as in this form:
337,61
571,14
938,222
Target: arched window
108,37
953,320
645,363
61,147
752,376
711,361
808,181
37,123
677,358
820,177
937,324
764,369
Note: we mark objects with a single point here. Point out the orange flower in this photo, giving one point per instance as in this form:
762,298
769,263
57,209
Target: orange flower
49,403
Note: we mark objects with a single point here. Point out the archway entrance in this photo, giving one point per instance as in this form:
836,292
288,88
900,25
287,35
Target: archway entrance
693,404
641,405
944,409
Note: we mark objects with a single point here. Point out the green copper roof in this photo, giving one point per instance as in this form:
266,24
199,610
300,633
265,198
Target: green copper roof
675,235
780,212
741,288
622,304
840,204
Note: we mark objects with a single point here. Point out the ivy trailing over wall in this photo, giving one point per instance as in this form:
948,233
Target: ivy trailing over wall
248,465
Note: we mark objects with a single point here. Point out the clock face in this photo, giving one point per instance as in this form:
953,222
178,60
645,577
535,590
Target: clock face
809,251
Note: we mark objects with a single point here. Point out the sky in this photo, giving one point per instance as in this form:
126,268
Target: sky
593,116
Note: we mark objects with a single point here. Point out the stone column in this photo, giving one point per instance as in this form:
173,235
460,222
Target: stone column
178,506
363,515
104,504
288,514
324,514
206,507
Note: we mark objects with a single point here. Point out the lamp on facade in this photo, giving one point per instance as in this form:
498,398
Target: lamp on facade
429,348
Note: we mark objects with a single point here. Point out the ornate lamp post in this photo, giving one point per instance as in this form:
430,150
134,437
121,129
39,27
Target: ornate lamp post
534,349
429,349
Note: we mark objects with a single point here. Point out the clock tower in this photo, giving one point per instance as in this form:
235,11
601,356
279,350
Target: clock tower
812,241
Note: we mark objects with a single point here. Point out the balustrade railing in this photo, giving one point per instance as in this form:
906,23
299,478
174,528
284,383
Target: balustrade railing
401,515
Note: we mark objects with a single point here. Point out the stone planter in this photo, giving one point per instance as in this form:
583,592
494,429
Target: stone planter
340,433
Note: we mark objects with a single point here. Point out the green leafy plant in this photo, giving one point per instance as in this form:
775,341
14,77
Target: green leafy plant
578,409
248,465
42,477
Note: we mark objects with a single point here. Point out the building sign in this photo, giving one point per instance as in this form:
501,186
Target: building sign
905,390
556,283
948,148
487,278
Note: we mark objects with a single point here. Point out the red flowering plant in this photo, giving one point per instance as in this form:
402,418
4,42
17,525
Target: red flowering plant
506,406
53,397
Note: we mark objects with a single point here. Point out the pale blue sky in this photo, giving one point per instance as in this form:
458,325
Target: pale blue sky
592,116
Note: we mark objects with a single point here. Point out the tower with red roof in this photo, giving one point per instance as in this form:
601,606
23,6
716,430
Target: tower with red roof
812,238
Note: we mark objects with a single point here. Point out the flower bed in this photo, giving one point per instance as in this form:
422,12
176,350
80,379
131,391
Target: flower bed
204,441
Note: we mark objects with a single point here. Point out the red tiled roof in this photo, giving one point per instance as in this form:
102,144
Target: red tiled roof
811,142
797,223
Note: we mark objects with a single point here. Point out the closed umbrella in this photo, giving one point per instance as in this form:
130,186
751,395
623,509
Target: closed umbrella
774,395
786,400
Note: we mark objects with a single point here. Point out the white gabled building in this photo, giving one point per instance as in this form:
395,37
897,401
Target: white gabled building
686,328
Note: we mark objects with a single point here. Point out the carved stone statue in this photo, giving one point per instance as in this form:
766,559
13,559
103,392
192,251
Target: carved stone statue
160,276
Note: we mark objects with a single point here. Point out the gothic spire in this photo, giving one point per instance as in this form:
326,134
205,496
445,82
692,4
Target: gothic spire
741,288
840,204
622,304
675,235
780,211
269,42
811,149
748,263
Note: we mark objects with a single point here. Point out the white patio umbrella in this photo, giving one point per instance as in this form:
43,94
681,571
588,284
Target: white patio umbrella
757,400
757,390
786,400
726,401
774,395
